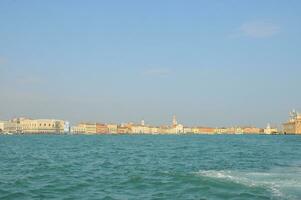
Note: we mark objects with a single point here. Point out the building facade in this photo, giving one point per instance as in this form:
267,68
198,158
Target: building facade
90,128
10,127
222,130
123,130
251,130
205,130
293,126
270,130
188,130
78,129
102,128
42,126
112,128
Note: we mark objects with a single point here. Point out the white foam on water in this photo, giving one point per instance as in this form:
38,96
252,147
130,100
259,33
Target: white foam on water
281,182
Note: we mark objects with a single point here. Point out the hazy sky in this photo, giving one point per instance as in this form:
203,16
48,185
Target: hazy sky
215,63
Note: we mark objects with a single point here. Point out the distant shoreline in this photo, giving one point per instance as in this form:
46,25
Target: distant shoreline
134,134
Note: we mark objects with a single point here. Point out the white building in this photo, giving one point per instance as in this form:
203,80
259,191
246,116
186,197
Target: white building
188,130
67,127
269,130
10,127
42,126
176,128
139,129
112,128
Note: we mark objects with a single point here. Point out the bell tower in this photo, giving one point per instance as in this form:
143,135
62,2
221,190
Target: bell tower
174,121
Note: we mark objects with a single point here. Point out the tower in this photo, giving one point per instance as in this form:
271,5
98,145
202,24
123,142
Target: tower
174,121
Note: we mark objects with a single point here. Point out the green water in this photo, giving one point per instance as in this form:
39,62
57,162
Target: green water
150,167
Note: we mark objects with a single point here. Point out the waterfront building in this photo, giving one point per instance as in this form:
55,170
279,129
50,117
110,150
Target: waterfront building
78,129
195,130
137,129
176,128
154,130
123,130
67,128
164,130
10,127
231,130
235,130
42,126
187,130
293,125
222,130
251,130
90,128
269,130
239,130
112,128
140,128
206,130
146,130
102,128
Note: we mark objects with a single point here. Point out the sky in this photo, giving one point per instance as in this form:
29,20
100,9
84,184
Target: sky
209,62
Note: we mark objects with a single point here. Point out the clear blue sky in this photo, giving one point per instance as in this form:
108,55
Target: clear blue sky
215,63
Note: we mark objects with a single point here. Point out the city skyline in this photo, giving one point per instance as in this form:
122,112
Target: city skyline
127,61
171,122
24,125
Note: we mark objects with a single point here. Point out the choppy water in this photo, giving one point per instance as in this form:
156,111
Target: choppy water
150,167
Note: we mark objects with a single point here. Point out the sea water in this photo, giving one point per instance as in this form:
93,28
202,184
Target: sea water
150,167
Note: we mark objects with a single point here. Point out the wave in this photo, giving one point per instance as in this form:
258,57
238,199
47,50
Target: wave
284,183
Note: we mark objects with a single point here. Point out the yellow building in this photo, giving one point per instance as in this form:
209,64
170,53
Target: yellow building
42,126
195,130
222,130
123,129
154,130
89,128
164,130
78,129
251,130
293,126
